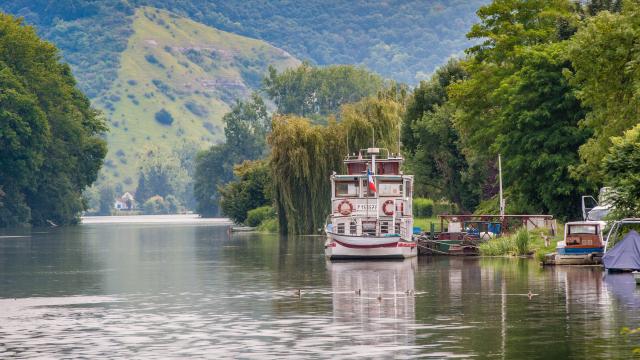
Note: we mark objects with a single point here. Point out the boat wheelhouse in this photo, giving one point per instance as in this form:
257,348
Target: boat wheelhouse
371,208
582,244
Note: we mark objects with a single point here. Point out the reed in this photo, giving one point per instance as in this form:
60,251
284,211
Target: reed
522,240
498,247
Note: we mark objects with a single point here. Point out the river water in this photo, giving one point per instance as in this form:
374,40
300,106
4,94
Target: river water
194,290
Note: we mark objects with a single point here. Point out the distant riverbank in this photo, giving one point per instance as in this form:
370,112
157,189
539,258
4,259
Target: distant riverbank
154,219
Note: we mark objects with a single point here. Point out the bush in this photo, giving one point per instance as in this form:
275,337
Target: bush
443,207
256,216
154,205
164,117
422,207
498,247
269,225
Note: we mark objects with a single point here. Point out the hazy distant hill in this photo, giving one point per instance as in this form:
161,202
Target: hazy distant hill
400,39
136,61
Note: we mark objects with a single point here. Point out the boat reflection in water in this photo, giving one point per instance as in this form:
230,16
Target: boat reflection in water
379,298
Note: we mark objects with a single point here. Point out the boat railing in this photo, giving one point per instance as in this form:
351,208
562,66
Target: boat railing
363,154
617,225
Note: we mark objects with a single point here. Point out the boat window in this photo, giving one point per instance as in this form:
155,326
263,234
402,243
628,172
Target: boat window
369,227
356,168
344,188
384,227
390,189
583,229
340,228
353,228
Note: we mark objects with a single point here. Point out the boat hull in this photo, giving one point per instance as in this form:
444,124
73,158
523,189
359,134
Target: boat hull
344,247
573,259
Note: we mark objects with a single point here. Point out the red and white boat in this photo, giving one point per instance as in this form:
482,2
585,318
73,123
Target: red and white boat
371,209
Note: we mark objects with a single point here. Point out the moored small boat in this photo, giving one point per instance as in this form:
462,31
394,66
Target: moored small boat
371,209
582,245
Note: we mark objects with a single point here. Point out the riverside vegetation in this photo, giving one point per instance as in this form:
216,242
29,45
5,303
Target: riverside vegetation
164,73
528,90
535,87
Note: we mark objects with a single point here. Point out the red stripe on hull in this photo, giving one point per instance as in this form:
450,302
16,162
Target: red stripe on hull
393,244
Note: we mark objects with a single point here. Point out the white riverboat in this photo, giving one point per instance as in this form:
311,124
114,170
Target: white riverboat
371,209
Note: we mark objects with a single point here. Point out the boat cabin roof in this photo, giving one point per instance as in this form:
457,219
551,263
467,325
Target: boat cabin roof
585,223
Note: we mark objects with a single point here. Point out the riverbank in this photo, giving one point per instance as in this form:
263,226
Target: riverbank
154,219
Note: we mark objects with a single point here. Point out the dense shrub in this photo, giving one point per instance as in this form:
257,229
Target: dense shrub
444,207
164,117
256,216
423,207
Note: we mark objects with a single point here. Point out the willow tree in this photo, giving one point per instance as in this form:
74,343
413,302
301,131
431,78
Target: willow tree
304,155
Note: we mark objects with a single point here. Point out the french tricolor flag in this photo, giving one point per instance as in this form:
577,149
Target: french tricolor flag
372,185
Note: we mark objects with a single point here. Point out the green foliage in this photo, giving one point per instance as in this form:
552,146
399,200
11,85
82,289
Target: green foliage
161,173
622,170
604,55
50,146
308,153
246,127
257,216
388,38
269,225
522,240
501,246
431,144
444,207
90,33
250,191
516,101
422,207
157,205
315,92
106,200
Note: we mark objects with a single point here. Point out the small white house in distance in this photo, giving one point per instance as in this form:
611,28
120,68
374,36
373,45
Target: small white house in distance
125,202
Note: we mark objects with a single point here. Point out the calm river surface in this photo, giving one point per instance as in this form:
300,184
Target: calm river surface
192,290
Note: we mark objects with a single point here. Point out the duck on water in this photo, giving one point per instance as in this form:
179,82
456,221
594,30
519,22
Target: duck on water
371,209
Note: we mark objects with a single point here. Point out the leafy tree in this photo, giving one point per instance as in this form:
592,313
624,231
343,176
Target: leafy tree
246,126
517,102
251,190
161,174
604,55
621,167
539,134
50,136
107,199
431,142
308,153
316,92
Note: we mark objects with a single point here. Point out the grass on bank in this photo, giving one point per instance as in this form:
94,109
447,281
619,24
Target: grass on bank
523,242
424,223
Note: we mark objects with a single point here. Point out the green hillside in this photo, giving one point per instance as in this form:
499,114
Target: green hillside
176,80
399,39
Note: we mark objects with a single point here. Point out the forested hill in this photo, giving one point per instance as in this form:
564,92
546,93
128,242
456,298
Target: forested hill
403,40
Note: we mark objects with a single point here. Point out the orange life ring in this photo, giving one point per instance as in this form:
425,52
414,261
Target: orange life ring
345,210
385,210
